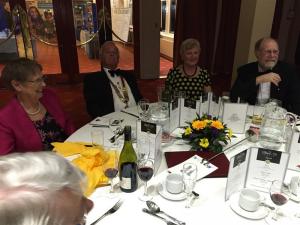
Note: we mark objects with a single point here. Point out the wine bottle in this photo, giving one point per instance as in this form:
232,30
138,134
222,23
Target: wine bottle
128,164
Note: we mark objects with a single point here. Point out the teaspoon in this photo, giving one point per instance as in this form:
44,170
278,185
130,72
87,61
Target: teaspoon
154,208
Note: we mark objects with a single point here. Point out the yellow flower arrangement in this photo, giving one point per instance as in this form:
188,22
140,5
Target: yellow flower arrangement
207,133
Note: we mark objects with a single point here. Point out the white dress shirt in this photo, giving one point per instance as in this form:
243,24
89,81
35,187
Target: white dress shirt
116,80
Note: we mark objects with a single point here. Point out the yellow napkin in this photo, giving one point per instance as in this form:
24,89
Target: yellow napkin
92,161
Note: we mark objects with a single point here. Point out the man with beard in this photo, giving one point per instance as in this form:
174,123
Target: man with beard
267,78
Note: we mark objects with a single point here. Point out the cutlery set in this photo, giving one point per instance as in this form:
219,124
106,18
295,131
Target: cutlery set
153,209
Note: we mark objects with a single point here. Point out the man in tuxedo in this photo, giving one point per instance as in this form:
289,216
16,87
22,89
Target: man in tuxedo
267,78
110,89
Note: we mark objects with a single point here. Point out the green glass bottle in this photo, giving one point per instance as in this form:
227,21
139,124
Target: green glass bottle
128,164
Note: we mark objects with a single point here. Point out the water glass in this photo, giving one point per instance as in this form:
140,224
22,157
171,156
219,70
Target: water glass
258,113
143,109
97,136
189,176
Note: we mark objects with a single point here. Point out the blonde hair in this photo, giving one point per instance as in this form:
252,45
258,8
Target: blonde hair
188,44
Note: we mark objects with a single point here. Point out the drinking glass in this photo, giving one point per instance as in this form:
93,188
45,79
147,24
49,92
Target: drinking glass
189,176
97,136
115,127
143,108
258,113
110,168
145,171
279,194
143,146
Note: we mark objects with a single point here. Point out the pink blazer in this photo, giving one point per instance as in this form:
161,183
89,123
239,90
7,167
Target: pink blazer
17,131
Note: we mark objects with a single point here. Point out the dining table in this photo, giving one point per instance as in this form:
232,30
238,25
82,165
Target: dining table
210,207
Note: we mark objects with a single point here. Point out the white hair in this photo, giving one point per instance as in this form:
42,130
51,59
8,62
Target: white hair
28,182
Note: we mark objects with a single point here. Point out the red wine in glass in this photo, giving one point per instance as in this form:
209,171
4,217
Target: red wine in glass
111,172
145,173
278,199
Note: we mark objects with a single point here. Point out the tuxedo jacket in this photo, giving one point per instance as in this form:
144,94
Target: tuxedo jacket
17,131
98,93
288,90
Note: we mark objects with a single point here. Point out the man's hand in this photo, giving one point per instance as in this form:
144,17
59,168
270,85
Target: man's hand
269,77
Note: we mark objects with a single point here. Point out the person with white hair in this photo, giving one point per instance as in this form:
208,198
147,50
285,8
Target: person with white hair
41,188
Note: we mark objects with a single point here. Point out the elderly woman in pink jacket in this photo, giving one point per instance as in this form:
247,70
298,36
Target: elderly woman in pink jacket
33,118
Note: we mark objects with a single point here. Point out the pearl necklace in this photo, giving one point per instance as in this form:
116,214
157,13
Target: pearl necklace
32,113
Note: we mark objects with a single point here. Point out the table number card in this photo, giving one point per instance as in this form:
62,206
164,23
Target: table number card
188,110
234,115
294,150
174,114
153,133
255,169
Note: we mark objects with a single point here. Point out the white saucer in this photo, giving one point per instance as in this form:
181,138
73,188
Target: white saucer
161,189
261,213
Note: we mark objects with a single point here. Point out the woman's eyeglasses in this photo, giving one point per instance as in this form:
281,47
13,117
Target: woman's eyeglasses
39,80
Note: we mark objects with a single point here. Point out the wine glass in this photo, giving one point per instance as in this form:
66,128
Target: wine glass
110,168
189,176
279,194
143,108
145,169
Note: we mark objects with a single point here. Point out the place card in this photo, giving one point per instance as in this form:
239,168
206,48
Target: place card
234,115
149,139
294,150
255,168
188,111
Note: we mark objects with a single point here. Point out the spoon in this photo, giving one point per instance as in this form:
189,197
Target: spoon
153,214
154,208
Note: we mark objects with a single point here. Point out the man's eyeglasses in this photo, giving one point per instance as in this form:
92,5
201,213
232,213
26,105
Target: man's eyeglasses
38,81
269,51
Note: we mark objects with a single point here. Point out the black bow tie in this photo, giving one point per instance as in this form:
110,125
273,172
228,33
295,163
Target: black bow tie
114,72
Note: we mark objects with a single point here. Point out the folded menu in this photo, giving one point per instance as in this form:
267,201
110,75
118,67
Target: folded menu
221,161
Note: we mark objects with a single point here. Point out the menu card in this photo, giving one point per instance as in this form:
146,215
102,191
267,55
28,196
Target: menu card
234,115
204,103
255,168
188,110
294,150
174,114
149,139
214,105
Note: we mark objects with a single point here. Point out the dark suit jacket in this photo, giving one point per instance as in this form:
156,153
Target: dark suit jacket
288,90
98,93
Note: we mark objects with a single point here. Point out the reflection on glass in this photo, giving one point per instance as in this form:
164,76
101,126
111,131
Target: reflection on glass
163,16
40,17
87,40
172,17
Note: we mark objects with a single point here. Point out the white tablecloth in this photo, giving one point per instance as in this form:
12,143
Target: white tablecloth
209,208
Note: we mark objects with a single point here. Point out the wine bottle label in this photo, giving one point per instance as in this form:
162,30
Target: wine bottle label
126,183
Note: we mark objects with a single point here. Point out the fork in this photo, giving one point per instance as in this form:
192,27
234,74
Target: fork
110,211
